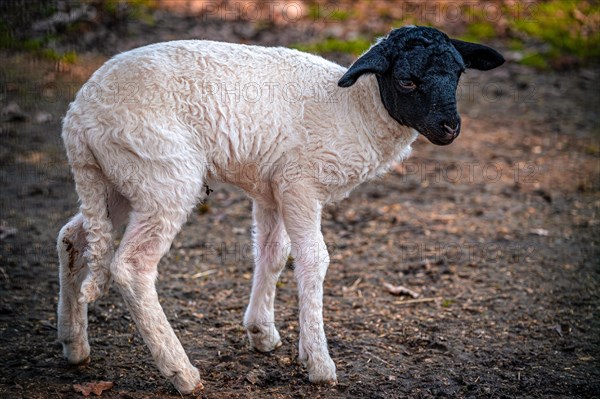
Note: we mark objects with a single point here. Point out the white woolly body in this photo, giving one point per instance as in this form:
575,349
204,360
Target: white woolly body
254,116
153,125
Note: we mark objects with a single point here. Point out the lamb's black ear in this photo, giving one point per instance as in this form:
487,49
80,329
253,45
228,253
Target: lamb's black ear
373,61
478,56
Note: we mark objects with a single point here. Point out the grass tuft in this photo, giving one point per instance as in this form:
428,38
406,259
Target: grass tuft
333,45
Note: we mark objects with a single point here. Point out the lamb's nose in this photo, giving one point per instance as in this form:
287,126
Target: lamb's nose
452,131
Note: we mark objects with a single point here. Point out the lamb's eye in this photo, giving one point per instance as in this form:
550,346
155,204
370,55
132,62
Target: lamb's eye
407,84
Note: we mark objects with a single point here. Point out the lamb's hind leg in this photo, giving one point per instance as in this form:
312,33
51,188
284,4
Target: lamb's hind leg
134,271
271,250
72,314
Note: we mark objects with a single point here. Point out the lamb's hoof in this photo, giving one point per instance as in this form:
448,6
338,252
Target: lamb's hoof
322,371
264,339
323,378
83,362
302,354
77,354
187,381
265,347
198,388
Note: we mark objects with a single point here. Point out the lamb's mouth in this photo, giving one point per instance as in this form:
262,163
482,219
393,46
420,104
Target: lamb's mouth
442,137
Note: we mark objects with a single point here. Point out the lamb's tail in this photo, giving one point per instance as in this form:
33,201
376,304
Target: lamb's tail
94,191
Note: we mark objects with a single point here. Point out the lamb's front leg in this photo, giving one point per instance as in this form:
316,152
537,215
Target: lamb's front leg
271,251
302,215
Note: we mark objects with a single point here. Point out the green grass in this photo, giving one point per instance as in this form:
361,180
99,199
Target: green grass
478,32
535,60
340,15
516,45
568,26
559,27
140,10
37,46
544,32
33,45
320,12
112,6
446,303
479,28
44,45
333,45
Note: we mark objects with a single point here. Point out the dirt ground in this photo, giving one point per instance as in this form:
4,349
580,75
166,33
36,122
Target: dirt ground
497,233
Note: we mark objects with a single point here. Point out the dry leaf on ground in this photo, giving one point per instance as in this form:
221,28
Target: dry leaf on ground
95,387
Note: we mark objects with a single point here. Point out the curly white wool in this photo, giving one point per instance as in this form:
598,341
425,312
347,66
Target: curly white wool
154,124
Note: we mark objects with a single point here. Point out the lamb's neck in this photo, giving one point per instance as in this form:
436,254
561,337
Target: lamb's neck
389,139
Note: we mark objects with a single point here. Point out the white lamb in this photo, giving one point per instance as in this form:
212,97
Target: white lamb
155,124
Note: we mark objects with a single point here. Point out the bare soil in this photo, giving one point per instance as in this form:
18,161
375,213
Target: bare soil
498,233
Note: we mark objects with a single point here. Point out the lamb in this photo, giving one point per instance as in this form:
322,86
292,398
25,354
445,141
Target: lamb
153,125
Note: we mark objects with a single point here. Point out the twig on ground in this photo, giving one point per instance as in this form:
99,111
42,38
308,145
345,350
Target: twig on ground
353,286
378,358
400,290
203,274
421,300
